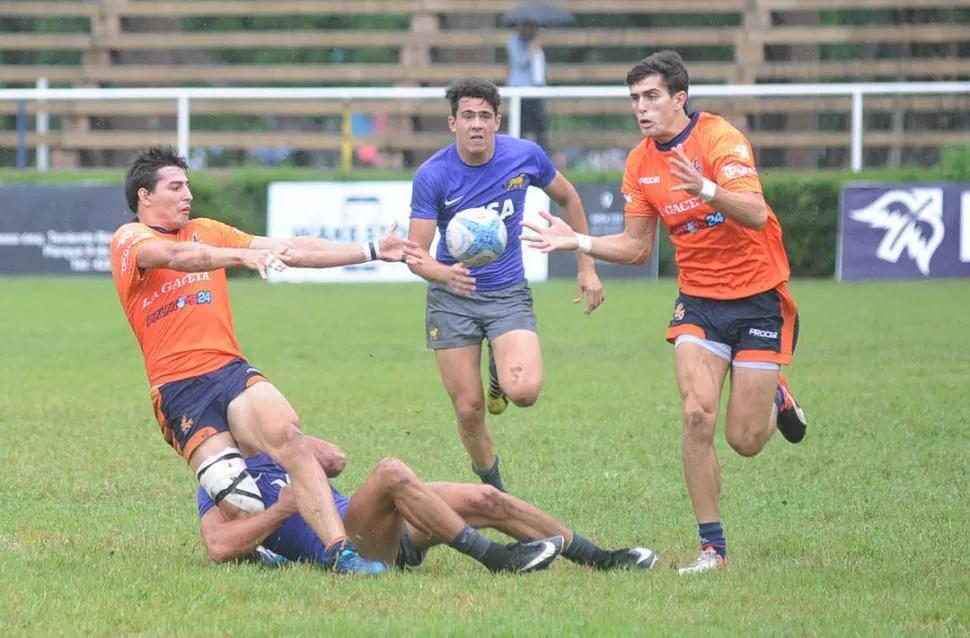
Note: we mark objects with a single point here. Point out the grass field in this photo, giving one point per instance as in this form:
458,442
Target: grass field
857,531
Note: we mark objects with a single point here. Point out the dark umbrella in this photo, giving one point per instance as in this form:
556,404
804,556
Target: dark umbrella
537,13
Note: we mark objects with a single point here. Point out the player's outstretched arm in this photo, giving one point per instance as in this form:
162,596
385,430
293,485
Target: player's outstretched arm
228,539
457,277
631,247
314,252
192,256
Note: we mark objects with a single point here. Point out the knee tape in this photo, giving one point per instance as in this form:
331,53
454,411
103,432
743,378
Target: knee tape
224,478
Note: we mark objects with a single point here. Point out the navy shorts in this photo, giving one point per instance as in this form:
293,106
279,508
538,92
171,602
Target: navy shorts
191,410
762,328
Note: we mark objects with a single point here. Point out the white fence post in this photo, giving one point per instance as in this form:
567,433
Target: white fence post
855,161
43,126
515,116
182,126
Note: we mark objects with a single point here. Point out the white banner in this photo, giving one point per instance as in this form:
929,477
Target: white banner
360,212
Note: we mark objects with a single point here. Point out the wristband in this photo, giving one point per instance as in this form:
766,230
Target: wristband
585,243
708,190
370,251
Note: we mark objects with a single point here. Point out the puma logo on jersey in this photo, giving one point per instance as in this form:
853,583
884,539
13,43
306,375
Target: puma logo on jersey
516,182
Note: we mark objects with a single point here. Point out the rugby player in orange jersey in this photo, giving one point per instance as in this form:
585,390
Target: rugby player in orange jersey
213,407
696,172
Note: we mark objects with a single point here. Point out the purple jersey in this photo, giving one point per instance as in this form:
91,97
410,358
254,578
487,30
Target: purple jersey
445,185
294,539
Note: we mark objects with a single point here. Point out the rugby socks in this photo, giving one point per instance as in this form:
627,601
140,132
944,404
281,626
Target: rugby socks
338,545
779,398
471,543
712,536
490,476
583,552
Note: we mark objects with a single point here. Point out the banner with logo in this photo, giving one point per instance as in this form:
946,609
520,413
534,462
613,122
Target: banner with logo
903,231
603,204
361,212
59,229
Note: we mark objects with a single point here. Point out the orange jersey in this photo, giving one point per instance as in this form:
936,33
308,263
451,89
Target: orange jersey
718,258
182,320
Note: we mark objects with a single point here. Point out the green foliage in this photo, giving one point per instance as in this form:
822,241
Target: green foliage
955,163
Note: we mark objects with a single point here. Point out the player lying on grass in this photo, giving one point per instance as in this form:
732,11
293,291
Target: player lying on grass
395,517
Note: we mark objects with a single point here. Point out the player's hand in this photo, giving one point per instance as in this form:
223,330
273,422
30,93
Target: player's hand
263,260
589,284
460,279
682,168
558,235
393,248
287,502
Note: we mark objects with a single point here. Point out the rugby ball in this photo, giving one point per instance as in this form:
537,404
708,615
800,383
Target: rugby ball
476,236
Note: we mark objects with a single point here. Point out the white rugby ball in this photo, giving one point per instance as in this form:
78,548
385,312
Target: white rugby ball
476,236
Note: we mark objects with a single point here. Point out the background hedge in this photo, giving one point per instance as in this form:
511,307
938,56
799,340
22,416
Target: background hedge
806,204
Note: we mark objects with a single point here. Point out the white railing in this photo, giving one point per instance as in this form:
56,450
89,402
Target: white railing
184,96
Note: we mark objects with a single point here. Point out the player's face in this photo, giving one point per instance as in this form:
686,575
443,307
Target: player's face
657,111
475,127
170,204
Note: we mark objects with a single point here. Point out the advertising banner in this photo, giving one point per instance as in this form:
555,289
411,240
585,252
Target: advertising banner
59,229
603,204
361,212
903,231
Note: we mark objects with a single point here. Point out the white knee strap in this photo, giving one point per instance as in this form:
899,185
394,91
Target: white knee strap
224,478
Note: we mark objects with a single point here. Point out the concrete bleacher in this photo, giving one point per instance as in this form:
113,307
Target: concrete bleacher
768,41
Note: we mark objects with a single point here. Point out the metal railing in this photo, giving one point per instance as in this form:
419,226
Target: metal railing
184,96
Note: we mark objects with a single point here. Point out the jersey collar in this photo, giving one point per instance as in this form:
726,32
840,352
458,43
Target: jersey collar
164,230
669,146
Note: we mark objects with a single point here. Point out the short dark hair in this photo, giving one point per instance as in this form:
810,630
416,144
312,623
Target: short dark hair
668,65
474,88
143,171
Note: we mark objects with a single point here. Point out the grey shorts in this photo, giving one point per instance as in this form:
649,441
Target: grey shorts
453,320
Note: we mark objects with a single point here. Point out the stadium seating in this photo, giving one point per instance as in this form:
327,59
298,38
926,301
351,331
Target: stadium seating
140,43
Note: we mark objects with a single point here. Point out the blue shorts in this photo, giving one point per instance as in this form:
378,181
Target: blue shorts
191,410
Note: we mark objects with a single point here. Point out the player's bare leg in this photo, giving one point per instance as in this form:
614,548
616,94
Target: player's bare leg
700,376
751,411
461,375
482,506
261,418
518,359
393,493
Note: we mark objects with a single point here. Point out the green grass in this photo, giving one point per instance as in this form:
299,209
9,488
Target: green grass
860,530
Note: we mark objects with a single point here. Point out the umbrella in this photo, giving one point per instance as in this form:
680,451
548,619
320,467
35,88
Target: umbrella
537,13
